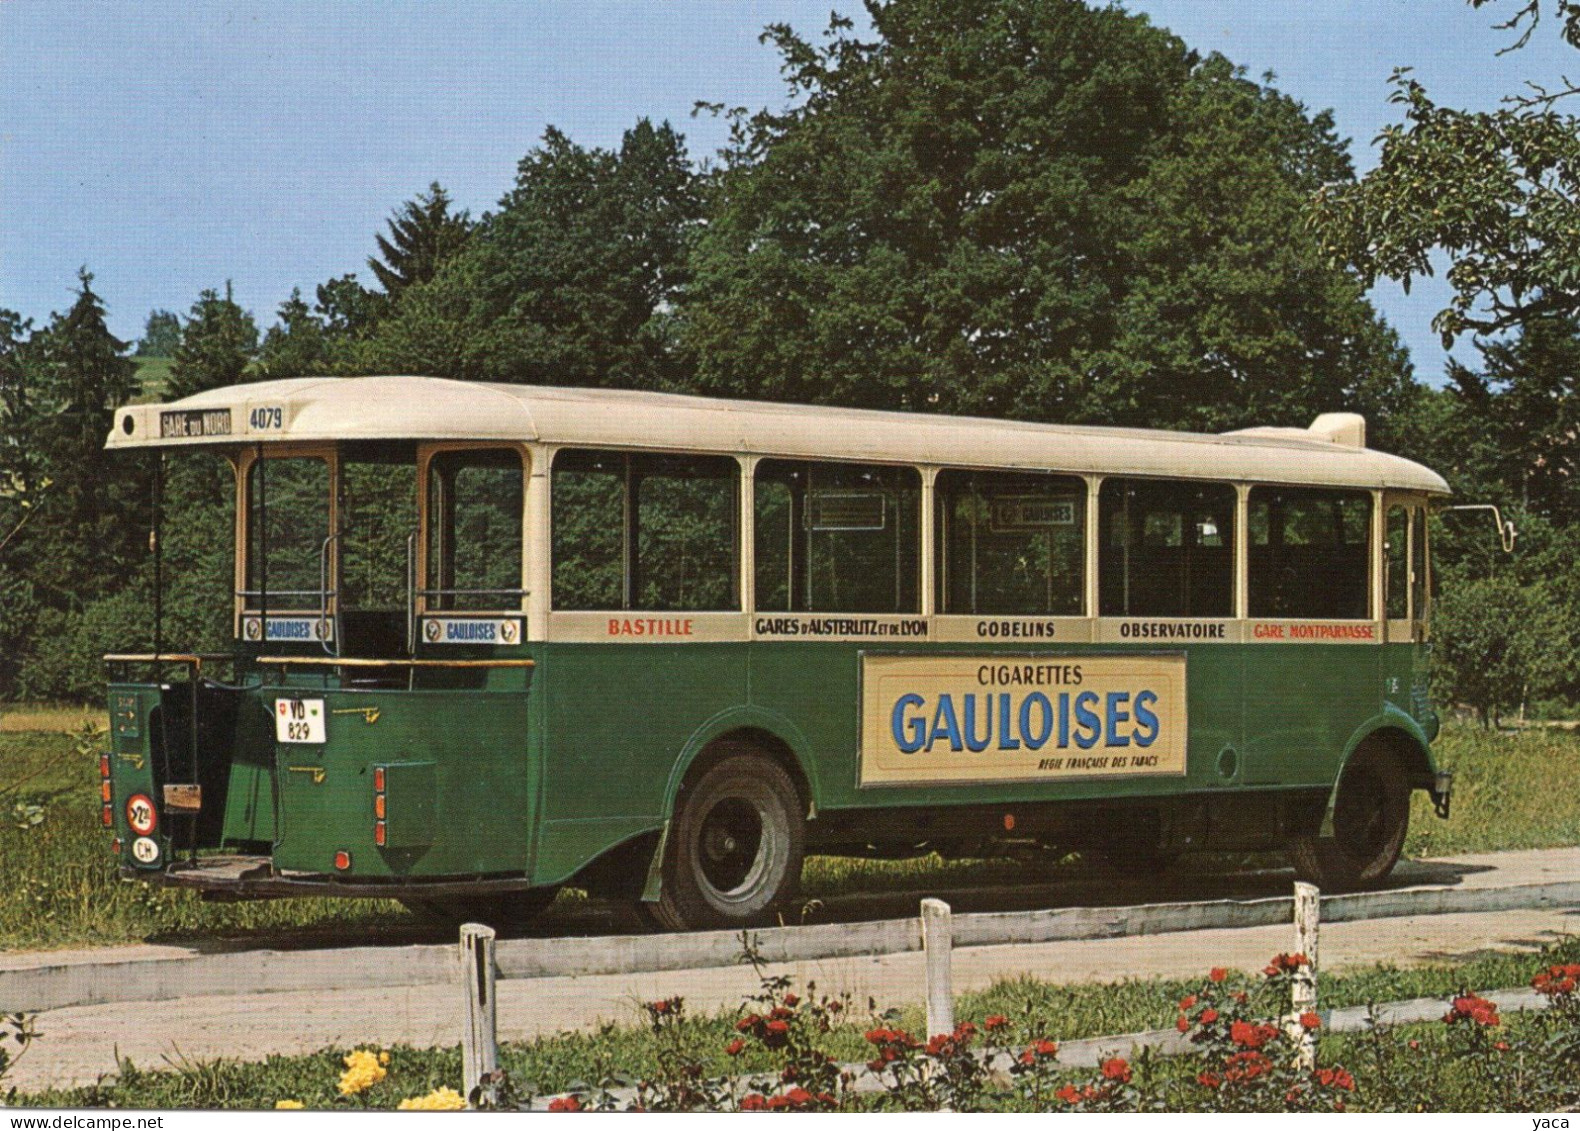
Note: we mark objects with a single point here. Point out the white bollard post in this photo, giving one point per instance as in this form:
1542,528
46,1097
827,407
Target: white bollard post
937,940
1303,994
479,1048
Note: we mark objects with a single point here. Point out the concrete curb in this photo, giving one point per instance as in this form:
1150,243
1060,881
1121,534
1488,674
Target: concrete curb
44,986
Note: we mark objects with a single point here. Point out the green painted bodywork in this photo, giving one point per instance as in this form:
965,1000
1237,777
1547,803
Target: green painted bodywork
534,773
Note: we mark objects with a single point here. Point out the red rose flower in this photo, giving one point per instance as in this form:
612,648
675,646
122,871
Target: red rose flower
1208,1016
1310,1021
753,1101
735,1047
1188,1002
791,1000
995,1022
1218,974
566,1103
1116,1068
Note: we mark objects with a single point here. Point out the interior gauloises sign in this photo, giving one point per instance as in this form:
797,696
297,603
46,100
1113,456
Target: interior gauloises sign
940,719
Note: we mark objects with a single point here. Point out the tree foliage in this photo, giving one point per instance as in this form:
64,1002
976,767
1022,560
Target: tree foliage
423,234
570,282
1042,211
1497,192
161,335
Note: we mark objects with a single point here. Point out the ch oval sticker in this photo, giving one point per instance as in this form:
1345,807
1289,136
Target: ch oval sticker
145,850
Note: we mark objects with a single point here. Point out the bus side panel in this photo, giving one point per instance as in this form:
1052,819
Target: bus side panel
472,745
1303,702
618,718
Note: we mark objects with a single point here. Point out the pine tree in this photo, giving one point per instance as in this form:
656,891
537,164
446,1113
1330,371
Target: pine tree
423,234
295,346
216,347
86,536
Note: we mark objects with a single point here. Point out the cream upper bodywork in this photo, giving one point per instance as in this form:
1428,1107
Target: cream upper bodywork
1329,453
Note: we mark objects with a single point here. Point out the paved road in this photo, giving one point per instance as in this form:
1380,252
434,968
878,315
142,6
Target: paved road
80,1043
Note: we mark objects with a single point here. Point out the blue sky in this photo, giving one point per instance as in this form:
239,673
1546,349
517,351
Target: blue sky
170,146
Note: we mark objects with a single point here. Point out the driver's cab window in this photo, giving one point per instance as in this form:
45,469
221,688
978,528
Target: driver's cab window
475,531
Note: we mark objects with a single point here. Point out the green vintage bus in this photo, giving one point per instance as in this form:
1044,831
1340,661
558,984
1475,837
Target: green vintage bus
495,639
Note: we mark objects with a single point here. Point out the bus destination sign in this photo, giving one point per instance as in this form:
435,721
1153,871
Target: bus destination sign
194,424
938,719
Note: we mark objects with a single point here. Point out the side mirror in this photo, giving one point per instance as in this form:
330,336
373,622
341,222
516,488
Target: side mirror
1505,527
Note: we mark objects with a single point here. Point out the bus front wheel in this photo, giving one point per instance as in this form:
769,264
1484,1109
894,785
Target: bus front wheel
1370,817
735,847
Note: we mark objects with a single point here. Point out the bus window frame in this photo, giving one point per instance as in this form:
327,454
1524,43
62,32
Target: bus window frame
978,627
243,463
1374,596
1415,624
926,565
547,622
1238,553
425,455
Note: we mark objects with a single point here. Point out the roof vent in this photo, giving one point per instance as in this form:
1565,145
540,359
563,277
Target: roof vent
1345,428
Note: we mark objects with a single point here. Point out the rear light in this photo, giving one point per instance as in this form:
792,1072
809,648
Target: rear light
115,846
104,791
104,766
379,807
342,861
109,817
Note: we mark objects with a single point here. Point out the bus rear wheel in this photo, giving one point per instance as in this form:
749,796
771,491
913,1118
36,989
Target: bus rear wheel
1370,817
735,847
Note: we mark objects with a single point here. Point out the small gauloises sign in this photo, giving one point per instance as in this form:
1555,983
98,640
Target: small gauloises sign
940,719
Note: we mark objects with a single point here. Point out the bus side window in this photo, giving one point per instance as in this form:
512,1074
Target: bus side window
837,538
1310,553
474,530
289,539
1166,549
1011,545
1397,562
648,532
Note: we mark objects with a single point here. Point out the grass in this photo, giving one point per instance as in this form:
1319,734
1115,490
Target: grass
61,889
1511,790
50,718
566,1060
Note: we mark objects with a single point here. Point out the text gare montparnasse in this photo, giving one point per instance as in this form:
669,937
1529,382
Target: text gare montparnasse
1025,720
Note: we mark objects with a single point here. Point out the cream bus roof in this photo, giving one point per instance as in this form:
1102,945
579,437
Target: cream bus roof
1331,452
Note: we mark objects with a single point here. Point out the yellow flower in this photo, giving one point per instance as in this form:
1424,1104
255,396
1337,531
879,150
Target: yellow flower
363,1070
288,1105
440,1099
384,1058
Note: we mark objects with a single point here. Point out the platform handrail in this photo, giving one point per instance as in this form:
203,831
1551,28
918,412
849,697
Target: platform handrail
194,660
362,662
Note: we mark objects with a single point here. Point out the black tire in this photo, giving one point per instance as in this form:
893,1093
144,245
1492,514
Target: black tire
734,849
510,913
1370,818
